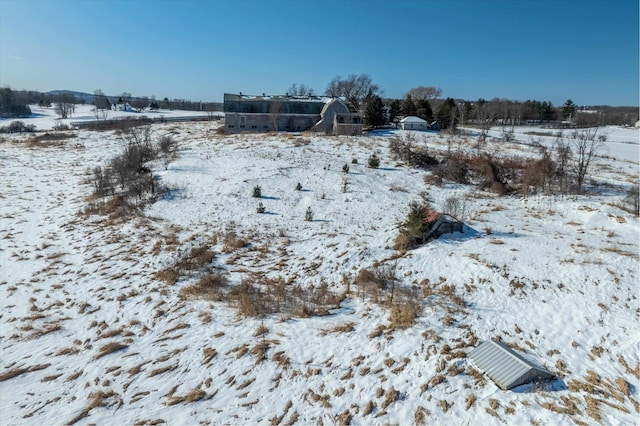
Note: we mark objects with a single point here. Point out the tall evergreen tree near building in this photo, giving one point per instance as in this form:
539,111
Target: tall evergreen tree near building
373,112
448,114
424,110
395,109
409,106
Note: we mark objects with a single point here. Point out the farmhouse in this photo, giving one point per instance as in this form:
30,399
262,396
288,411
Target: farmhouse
331,116
121,105
505,367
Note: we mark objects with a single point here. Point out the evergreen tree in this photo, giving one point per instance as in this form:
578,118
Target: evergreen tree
408,106
373,112
448,114
424,110
568,109
395,109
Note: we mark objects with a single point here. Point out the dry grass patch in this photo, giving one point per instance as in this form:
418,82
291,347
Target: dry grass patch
368,408
377,332
169,275
392,395
162,370
98,399
110,348
192,396
347,327
208,287
471,400
18,371
209,354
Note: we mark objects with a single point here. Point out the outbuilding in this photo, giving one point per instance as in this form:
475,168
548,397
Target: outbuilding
413,123
505,367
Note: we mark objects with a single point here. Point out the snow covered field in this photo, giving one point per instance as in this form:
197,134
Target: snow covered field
89,334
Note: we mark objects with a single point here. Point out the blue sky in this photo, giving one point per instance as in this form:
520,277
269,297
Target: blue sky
548,50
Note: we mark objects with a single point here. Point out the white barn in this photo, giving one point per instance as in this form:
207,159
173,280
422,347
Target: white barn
413,123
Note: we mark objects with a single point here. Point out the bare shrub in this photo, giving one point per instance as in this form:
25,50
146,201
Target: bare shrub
376,281
631,202
169,275
453,168
274,296
538,174
457,207
208,287
404,148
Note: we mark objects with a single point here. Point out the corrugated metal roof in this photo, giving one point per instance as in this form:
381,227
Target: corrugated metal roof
505,367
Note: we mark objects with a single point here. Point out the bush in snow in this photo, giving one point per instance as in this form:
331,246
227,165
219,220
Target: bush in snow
257,191
374,161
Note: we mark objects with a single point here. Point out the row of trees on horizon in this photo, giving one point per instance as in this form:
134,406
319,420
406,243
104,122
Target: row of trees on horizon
363,96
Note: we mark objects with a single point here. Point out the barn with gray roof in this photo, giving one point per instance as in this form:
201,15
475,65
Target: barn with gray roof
505,367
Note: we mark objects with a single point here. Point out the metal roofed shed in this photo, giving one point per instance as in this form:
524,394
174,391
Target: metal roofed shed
505,367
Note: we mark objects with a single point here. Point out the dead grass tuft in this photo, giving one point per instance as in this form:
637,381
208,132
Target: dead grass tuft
97,399
347,327
392,396
368,408
377,332
471,400
110,348
420,416
18,371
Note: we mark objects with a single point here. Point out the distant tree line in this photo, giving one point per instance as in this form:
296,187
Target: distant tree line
11,105
364,96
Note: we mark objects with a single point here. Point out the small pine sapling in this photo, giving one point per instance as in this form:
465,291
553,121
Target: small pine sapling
299,187
257,191
374,161
308,216
261,209
345,168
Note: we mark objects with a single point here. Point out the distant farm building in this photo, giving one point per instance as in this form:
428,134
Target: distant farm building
413,123
505,367
122,106
289,114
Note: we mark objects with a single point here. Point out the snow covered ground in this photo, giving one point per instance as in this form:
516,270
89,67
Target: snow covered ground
89,334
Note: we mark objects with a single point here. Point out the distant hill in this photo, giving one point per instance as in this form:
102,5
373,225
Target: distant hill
86,97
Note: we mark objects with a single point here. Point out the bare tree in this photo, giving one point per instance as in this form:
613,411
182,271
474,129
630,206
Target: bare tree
424,93
354,88
102,105
65,105
275,109
563,157
300,90
485,116
585,145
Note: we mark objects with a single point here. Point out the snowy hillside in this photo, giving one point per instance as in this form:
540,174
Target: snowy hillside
94,332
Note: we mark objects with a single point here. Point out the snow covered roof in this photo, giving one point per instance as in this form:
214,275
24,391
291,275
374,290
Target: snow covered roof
505,367
412,119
